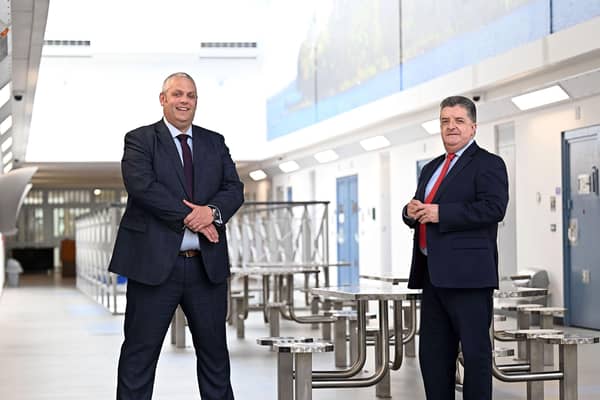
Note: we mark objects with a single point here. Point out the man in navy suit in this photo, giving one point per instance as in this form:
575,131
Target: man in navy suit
182,188
461,196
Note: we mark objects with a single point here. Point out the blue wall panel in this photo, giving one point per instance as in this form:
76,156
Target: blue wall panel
566,13
525,24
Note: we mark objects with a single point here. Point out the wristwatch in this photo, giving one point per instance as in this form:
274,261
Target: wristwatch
216,215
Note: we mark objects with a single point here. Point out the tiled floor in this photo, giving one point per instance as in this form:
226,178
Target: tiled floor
56,343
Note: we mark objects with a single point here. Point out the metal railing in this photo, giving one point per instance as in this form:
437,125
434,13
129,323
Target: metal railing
279,232
95,235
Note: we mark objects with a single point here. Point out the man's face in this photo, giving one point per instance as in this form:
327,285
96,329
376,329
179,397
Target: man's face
179,102
457,128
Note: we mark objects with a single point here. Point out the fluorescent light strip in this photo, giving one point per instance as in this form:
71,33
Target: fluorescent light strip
432,127
257,175
4,94
540,98
326,156
374,143
7,143
6,124
289,166
8,167
7,158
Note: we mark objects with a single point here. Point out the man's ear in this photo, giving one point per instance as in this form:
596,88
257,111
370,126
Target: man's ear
161,98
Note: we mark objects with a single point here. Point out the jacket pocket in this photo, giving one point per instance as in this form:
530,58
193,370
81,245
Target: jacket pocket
470,243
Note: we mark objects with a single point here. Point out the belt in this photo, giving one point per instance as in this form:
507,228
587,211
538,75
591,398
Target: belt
189,253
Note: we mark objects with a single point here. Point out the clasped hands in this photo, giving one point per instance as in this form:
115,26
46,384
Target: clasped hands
200,219
423,213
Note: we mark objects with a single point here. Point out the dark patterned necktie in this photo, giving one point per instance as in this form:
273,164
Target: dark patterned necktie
188,166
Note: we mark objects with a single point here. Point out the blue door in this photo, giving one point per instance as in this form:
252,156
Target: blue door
347,229
581,155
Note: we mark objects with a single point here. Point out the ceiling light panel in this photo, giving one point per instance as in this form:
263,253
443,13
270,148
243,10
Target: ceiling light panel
6,124
326,156
5,94
540,98
374,143
289,166
432,127
6,144
258,175
7,158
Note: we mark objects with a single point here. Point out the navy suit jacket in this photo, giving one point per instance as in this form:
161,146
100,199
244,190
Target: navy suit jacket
151,230
461,249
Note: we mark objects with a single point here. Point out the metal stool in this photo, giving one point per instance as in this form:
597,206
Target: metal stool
535,355
285,362
546,317
303,361
567,359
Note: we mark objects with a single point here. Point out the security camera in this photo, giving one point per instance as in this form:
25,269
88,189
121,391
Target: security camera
476,98
18,96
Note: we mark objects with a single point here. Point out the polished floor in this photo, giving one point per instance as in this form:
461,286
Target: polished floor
56,343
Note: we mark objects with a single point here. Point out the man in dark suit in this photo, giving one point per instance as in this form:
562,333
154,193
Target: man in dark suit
461,196
171,245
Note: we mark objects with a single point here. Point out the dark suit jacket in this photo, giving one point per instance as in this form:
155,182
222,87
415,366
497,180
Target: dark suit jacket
462,249
151,230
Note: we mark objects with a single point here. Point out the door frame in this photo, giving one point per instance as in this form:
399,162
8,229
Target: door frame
567,137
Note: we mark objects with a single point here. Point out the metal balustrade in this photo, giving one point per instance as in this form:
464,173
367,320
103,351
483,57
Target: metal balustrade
290,232
95,235
280,232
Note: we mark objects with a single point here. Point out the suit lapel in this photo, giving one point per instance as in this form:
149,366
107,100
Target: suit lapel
462,162
164,136
201,147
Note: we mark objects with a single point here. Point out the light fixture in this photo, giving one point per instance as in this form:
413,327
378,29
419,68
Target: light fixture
5,94
8,167
7,158
432,127
6,144
374,143
6,125
540,98
97,192
289,166
326,156
257,175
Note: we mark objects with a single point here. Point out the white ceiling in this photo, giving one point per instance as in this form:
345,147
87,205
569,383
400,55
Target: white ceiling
145,32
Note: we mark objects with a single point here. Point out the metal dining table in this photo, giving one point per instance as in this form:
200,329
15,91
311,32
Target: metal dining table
410,347
361,294
279,300
523,319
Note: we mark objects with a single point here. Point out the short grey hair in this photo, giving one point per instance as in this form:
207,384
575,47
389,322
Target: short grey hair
165,85
462,101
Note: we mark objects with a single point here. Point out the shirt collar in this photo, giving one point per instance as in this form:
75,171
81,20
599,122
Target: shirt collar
459,152
174,131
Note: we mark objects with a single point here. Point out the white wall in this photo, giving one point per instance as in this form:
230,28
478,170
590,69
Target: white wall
2,263
367,168
539,170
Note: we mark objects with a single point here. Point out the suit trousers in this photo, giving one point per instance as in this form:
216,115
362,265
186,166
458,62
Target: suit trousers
450,316
148,314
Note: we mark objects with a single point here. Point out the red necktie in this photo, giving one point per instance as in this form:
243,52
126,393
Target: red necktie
431,195
188,166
